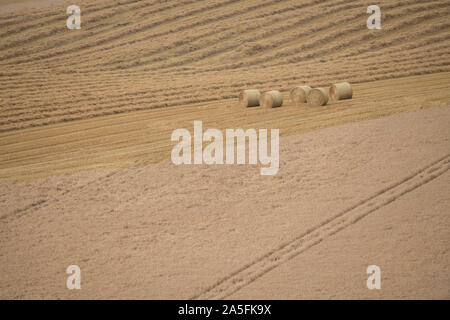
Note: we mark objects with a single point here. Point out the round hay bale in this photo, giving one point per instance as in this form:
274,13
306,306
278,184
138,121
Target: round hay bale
271,99
317,97
298,94
340,91
249,98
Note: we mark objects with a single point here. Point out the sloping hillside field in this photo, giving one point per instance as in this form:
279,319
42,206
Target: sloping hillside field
86,149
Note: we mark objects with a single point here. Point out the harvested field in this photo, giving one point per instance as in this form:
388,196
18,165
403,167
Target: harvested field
144,137
86,118
140,55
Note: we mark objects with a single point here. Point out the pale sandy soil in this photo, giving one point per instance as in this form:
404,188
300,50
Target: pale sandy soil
372,192
408,239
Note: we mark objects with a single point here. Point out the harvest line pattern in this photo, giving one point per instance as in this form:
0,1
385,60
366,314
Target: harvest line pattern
140,55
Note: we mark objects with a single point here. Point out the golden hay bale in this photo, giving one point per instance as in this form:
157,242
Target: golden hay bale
340,91
249,98
271,99
317,97
299,94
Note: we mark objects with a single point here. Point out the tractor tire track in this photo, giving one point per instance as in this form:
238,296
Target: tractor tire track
42,203
288,250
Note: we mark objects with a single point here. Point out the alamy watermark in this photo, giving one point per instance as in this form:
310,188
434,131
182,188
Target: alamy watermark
214,152
74,279
374,280
374,21
74,20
